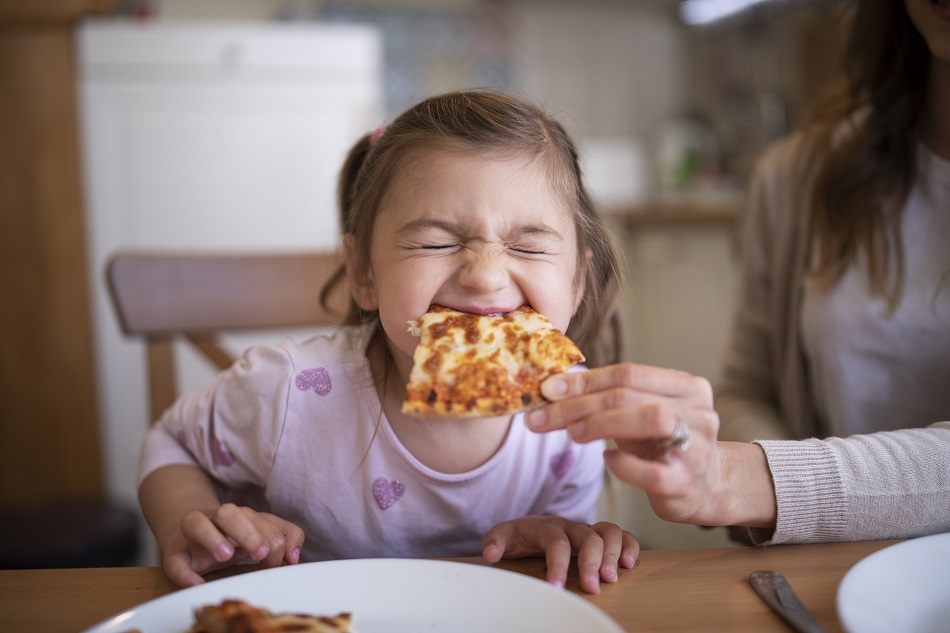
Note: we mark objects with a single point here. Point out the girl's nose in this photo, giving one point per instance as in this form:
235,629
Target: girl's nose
484,272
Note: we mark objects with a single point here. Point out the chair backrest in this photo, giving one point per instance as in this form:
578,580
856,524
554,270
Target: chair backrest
195,297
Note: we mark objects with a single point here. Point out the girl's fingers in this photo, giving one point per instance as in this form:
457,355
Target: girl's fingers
590,556
612,537
294,539
178,569
236,522
630,550
495,542
199,531
284,540
557,554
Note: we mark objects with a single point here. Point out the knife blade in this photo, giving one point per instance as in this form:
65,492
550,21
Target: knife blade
775,590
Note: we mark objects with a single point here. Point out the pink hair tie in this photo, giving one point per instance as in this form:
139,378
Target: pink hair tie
377,133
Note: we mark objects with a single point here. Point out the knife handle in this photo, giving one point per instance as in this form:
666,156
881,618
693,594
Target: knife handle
774,589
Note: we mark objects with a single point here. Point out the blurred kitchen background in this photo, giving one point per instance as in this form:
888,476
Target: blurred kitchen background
220,125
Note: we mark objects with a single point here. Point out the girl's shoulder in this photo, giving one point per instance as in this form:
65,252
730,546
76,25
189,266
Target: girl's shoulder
342,343
328,346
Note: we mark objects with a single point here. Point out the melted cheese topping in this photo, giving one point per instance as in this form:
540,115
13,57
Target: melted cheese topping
467,365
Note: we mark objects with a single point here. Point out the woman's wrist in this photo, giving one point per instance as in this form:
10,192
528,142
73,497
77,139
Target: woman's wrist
747,492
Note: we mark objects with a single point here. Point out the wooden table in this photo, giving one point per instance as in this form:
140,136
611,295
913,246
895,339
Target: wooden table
668,590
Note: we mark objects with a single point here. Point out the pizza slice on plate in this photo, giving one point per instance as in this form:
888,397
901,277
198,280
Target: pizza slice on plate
469,365
238,616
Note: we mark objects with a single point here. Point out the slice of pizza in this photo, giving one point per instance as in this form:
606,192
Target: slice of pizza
238,616
468,365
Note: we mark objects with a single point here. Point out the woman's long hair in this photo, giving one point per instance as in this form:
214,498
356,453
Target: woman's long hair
863,139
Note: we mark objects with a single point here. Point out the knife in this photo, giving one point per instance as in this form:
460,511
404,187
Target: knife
778,594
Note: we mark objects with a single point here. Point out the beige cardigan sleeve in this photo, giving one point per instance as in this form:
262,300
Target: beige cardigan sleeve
887,485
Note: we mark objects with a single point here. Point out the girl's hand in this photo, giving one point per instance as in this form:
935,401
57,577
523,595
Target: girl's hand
599,548
641,408
227,536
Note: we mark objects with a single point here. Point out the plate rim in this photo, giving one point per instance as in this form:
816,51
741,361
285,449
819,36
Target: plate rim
851,577
219,585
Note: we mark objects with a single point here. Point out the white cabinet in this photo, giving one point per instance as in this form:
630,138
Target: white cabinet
209,136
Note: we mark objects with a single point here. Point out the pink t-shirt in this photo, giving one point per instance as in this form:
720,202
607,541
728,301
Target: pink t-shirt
300,423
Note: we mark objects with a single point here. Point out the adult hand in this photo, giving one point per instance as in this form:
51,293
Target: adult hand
642,409
213,540
599,548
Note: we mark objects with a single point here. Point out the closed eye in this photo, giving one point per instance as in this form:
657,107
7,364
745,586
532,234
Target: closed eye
437,247
527,251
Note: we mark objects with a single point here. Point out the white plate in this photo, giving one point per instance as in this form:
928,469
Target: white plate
386,596
903,587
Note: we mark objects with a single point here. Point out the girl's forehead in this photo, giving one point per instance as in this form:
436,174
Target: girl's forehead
448,180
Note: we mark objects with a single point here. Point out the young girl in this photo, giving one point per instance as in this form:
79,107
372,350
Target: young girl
470,200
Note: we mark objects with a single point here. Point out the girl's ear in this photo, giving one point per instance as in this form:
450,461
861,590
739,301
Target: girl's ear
359,276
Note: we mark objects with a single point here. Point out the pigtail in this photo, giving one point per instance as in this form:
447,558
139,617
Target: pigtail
346,184
346,188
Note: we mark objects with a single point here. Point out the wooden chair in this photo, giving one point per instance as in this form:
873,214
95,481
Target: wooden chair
195,297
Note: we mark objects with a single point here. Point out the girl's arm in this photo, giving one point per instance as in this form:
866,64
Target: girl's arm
226,433
197,534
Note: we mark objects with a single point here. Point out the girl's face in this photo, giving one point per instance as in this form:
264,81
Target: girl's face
474,232
932,20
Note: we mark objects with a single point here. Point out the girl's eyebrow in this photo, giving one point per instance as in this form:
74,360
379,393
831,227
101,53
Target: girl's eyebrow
428,223
535,230
518,230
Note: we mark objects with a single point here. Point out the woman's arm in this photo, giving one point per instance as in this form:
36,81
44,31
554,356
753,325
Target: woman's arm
894,484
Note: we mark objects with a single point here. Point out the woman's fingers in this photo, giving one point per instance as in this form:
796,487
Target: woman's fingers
600,403
671,383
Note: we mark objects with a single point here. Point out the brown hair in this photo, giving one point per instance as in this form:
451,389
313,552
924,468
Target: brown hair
480,120
863,140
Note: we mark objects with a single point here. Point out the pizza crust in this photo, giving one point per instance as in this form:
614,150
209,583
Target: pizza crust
468,365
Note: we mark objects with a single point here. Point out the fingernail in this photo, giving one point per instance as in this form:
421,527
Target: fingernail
553,388
592,581
223,552
295,555
558,583
535,419
261,552
610,574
